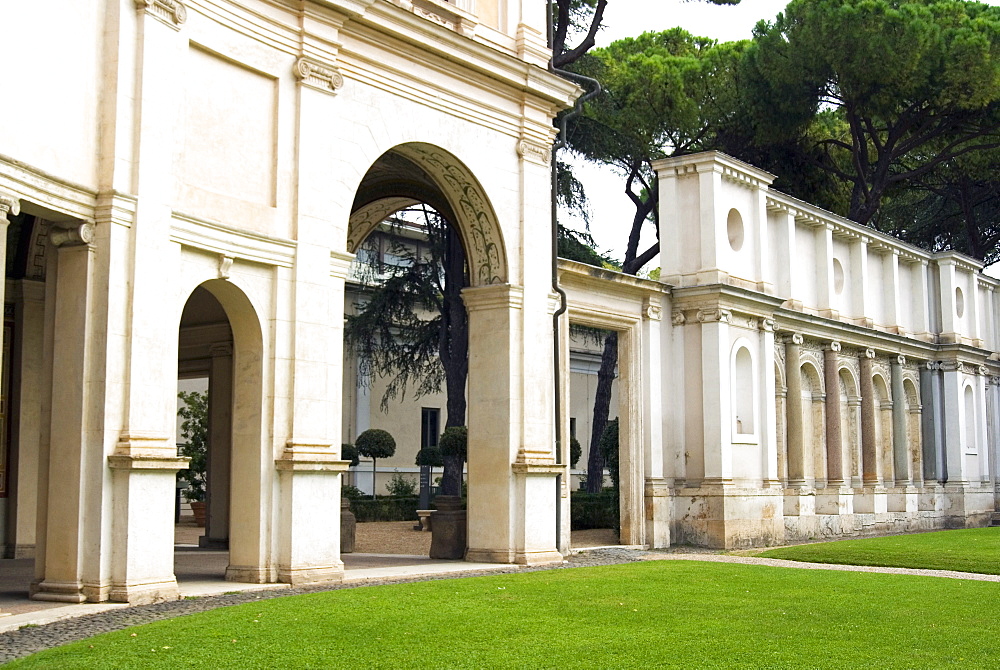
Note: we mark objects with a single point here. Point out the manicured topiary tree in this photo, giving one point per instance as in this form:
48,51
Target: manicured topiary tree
348,452
375,443
609,447
454,446
575,452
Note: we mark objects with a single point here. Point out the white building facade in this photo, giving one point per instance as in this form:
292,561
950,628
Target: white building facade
185,198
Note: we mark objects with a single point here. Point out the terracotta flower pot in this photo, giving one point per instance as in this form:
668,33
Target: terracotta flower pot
198,508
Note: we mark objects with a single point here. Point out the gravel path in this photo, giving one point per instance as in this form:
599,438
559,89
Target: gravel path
16,644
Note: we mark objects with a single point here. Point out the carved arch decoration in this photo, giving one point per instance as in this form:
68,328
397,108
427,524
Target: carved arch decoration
416,172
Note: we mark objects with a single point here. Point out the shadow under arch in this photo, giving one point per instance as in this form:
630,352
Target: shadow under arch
418,172
249,458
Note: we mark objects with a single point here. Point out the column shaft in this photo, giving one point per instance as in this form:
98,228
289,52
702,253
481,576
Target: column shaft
834,429
793,409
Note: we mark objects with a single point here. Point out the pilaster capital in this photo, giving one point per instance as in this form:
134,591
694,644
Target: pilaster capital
171,12
796,338
71,235
677,318
715,314
767,325
834,346
869,353
900,360
322,76
9,204
932,366
983,370
533,151
493,296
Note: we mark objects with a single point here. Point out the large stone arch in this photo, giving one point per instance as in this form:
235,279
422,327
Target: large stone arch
418,172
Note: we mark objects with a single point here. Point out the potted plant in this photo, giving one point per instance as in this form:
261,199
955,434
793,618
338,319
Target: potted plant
448,522
348,522
194,433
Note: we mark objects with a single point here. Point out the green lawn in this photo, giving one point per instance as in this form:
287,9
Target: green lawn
966,550
684,614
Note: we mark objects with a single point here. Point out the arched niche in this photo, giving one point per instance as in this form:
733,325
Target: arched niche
744,392
417,172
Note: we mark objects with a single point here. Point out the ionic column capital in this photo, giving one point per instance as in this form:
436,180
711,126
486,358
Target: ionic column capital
869,353
796,338
72,235
9,205
834,346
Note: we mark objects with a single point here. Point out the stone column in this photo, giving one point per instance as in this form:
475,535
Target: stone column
834,425
793,409
220,446
869,470
899,447
9,206
60,567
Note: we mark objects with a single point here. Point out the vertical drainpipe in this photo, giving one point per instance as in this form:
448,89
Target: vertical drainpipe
594,89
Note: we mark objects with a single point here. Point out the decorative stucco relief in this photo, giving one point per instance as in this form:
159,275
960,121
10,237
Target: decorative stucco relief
534,152
171,12
477,221
316,74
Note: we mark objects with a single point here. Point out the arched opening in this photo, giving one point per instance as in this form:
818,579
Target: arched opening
781,431
914,438
970,434
419,215
220,353
883,428
850,422
813,425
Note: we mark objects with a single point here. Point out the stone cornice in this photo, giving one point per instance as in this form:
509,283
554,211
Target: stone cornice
730,168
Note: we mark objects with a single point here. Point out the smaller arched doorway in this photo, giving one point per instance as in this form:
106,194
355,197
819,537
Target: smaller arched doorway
219,358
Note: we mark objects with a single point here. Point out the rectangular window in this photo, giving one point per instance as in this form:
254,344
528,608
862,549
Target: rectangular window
430,420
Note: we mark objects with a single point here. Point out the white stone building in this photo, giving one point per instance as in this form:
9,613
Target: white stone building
184,200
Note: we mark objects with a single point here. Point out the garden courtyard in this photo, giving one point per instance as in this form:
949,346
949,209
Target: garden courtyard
744,609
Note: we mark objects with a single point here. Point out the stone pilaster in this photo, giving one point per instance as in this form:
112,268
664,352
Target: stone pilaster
869,470
220,429
899,442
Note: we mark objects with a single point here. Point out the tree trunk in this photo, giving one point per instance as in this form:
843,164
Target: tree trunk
602,405
454,353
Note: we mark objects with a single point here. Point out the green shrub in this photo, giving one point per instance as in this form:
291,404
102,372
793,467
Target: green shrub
348,452
385,508
609,447
594,510
194,432
454,441
575,452
351,492
401,485
375,443
431,456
